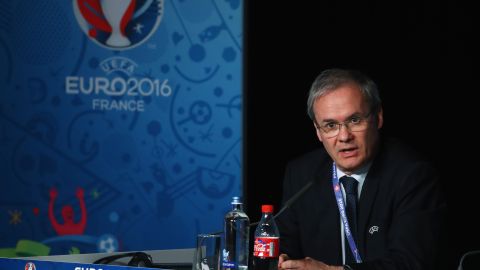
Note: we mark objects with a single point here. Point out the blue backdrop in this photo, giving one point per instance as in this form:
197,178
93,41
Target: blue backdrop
120,123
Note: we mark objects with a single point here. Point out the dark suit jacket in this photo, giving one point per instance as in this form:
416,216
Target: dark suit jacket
400,195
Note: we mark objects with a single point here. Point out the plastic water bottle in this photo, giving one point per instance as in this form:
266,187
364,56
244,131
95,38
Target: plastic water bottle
237,228
267,239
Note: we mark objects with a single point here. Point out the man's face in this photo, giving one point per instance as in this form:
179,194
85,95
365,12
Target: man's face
349,149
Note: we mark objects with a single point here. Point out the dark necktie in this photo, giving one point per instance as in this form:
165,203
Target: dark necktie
350,186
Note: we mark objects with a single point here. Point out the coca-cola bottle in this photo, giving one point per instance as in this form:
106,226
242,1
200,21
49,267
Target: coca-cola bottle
266,245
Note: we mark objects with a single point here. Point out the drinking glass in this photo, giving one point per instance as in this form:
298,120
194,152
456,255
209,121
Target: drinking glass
207,252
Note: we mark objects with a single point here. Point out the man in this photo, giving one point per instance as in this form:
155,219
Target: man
388,211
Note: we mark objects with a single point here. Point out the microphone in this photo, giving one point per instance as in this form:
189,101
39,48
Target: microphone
289,202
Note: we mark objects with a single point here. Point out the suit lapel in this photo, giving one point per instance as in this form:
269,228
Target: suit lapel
325,189
367,199
330,215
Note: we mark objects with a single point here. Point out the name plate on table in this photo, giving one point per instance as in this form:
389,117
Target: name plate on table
28,264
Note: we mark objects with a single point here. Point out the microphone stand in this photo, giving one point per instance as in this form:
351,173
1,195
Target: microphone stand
287,204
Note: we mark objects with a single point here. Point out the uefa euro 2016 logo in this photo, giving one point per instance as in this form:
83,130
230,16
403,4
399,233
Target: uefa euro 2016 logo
30,266
118,24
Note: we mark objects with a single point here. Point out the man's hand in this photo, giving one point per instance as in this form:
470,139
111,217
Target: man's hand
282,258
304,264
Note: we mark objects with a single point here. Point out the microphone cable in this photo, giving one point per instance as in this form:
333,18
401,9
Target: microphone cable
472,252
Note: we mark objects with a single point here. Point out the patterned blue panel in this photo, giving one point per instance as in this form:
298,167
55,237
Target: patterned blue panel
120,123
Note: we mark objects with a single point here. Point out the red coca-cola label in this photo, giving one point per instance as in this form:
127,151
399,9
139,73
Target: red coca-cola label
266,247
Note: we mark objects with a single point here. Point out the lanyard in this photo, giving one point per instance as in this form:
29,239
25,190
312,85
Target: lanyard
341,209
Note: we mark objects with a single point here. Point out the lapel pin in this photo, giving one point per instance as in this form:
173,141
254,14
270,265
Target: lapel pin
373,229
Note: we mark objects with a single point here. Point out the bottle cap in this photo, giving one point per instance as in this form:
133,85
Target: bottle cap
267,208
236,200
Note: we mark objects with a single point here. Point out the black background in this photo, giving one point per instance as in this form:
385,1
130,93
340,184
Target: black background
420,53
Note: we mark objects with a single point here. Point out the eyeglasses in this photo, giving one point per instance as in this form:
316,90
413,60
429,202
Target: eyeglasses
354,124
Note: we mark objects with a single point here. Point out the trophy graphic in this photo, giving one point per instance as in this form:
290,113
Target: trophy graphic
114,11
109,23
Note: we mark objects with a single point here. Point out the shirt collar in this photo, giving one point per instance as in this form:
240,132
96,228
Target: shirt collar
359,175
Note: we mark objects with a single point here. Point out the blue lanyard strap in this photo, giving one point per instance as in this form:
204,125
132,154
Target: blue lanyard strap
343,215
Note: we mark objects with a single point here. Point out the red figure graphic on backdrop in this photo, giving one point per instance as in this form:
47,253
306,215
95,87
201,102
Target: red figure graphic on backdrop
69,226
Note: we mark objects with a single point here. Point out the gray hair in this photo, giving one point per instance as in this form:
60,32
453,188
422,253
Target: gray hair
331,79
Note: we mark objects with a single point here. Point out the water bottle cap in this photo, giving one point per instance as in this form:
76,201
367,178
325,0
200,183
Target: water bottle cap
267,208
236,200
